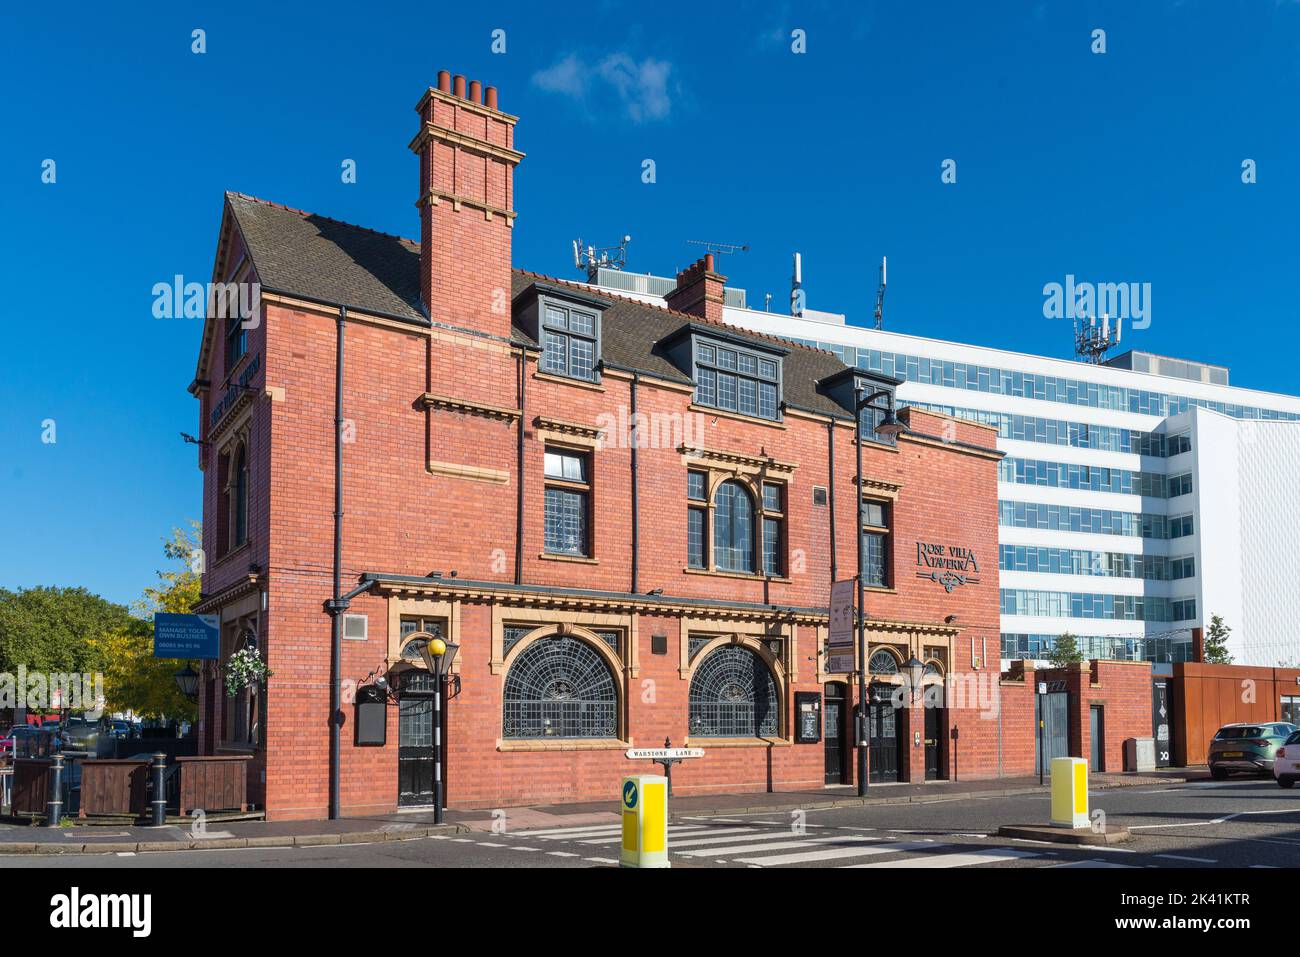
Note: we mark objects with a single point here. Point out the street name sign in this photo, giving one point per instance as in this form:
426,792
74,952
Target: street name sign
662,754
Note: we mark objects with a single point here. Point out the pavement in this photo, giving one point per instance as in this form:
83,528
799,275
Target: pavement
227,835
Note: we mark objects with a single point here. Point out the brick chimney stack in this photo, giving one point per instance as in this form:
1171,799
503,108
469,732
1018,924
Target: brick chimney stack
466,202
699,290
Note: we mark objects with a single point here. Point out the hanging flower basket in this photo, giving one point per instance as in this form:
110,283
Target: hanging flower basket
245,668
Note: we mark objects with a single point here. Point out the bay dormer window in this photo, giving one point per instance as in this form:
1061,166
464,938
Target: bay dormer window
569,341
732,374
567,325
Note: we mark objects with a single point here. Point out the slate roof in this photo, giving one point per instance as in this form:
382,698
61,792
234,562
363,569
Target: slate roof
315,258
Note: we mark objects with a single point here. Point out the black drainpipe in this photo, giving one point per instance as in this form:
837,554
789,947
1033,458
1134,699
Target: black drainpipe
339,603
519,505
830,493
636,432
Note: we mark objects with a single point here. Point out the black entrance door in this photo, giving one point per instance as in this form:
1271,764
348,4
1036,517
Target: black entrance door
832,731
882,719
415,741
933,744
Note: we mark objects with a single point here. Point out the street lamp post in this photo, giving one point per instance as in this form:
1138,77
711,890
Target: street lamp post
888,426
438,656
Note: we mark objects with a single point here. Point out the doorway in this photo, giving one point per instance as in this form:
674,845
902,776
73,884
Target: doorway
833,698
415,740
1053,739
1097,727
934,751
882,721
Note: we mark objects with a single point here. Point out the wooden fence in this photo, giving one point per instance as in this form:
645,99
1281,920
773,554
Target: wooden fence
212,783
113,787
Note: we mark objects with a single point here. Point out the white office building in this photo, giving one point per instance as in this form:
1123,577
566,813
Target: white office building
1138,498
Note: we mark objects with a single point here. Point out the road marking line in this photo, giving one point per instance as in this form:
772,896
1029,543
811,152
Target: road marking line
560,854
992,855
601,860
831,854
126,853
1093,864
490,844
774,843
1184,857
618,837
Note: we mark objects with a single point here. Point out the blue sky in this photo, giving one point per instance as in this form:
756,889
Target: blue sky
1122,166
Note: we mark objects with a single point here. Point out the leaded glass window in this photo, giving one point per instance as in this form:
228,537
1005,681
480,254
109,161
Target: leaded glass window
696,642
737,380
560,688
569,342
696,520
566,499
733,528
875,544
511,636
733,695
883,663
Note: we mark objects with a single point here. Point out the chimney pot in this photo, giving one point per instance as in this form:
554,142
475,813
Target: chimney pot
444,81
475,91
458,86
490,97
708,262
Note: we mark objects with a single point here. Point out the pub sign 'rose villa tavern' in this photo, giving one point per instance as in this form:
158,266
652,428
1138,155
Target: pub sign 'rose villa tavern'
419,439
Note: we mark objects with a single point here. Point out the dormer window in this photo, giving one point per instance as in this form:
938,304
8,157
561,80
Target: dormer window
570,340
736,379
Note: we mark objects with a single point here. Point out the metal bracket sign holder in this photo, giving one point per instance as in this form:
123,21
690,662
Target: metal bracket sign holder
667,756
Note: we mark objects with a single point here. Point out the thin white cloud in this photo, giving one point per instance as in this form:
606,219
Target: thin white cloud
642,87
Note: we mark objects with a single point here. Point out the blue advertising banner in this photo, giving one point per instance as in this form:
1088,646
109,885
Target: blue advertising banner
186,636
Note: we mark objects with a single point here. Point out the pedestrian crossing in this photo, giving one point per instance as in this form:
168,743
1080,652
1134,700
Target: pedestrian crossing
751,844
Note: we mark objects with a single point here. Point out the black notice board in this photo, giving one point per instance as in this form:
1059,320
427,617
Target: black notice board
371,718
807,717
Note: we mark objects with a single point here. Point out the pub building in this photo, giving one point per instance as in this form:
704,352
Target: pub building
625,520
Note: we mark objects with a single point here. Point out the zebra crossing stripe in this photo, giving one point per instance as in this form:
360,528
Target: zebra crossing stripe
618,836
594,830
991,855
775,842
834,853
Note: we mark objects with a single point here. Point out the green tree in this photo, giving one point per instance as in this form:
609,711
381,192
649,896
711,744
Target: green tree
50,629
1065,650
134,679
1216,642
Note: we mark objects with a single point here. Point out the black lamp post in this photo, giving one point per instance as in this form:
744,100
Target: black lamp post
187,680
438,656
887,426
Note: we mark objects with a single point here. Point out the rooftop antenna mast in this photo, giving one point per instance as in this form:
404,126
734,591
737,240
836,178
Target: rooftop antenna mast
593,259
880,297
1092,340
719,249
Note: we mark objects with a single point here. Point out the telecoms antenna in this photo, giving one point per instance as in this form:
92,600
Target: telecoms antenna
880,297
719,249
796,287
592,258
1092,340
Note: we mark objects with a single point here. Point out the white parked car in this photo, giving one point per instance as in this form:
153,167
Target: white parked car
1286,763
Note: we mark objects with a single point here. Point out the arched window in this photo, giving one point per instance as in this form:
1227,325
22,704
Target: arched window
733,528
560,688
883,663
733,695
239,534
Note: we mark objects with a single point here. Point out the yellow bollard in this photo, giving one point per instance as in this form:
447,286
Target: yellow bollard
645,821
1070,792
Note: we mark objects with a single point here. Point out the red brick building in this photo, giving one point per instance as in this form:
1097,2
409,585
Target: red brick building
627,518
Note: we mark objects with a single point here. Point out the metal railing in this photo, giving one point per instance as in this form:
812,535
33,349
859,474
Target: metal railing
6,790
